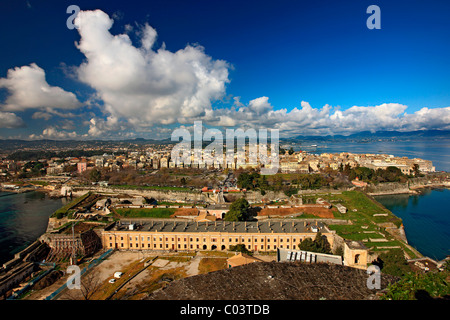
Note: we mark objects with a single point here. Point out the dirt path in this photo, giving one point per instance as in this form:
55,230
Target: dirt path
192,268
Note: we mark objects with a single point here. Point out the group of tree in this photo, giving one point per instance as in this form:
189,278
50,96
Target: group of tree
283,151
239,211
412,285
310,181
393,262
390,174
32,169
251,180
255,181
320,244
240,248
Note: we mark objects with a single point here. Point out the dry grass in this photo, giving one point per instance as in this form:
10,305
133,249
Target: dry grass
317,211
216,254
211,264
157,279
108,288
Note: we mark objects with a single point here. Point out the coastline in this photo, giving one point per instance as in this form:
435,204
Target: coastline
414,225
35,211
411,190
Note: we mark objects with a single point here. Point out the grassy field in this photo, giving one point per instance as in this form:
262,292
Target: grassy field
211,264
39,182
365,208
167,203
146,213
365,226
61,212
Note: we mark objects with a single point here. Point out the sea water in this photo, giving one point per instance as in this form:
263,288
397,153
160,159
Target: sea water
426,218
23,219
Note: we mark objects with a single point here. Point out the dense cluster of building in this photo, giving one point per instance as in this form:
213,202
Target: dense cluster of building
160,157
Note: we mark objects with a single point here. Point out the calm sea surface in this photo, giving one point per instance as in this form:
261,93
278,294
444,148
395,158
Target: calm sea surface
23,218
426,218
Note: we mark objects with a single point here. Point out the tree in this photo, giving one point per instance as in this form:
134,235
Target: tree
291,151
70,168
320,244
307,245
419,286
239,210
95,175
393,262
290,191
240,248
249,180
416,170
90,284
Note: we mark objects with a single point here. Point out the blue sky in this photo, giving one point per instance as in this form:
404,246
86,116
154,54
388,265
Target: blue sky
304,67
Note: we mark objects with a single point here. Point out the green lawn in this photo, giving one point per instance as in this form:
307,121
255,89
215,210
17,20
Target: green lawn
39,182
146,213
168,203
366,207
61,212
363,220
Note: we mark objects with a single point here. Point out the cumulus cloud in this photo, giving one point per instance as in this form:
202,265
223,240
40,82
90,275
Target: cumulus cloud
143,85
328,120
140,88
53,133
28,89
10,120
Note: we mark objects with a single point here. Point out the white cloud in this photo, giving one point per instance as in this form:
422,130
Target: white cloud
10,120
306,120
42,115
28,89
53,133
142,85
427,118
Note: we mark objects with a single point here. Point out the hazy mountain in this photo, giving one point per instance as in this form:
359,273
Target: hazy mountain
8,145
367,135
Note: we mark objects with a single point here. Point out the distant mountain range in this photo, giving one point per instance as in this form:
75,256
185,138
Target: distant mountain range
367,135
8,145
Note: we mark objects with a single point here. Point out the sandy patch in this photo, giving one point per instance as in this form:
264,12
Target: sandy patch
192,267
116,262
160,263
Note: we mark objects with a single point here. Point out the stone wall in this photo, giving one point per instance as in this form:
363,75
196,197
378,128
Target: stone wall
388,188
156,194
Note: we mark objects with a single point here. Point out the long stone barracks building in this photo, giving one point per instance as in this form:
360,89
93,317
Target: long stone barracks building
169,235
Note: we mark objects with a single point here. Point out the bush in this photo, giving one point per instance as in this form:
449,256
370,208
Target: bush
320,244
419,286
393,262
240,248
239,210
